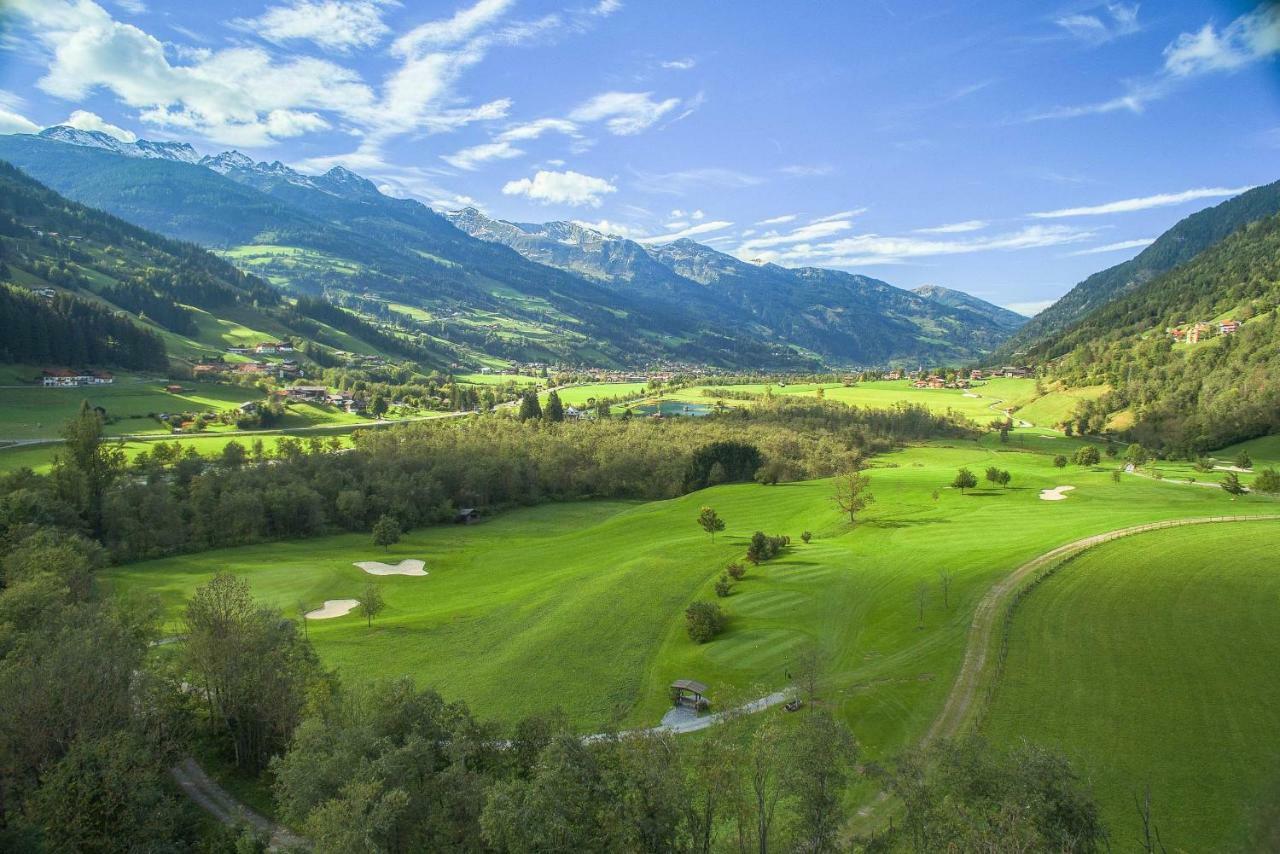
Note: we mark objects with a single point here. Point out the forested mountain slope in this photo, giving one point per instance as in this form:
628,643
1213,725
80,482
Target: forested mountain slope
844,317
127,297
1186,397
1188,238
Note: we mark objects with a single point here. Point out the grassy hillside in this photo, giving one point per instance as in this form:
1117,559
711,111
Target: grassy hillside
1151,661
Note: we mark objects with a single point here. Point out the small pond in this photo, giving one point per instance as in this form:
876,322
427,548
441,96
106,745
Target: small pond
670,408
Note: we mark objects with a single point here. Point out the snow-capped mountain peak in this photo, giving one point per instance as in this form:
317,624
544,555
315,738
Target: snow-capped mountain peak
177,151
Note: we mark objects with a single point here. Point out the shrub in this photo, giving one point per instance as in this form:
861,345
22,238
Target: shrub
705,620
806,536
1268,481
723,586
764,547
1060,461
1087,456
736,571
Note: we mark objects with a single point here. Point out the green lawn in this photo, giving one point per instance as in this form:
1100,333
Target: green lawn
581,605
578,395
1153,661
1057,405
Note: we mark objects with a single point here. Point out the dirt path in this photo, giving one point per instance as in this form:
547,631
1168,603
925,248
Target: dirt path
965,690
216,801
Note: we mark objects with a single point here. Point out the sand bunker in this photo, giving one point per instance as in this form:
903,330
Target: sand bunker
333,608
970,394
1056,494
1232,468
408,566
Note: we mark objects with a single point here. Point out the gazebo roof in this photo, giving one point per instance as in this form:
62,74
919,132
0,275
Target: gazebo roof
690,685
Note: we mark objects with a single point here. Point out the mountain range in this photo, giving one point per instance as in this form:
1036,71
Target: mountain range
555,291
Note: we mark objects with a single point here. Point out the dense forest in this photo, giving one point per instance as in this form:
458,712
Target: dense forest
72,332
1186,398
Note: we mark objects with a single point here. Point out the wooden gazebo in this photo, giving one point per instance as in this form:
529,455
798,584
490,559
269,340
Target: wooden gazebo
691,693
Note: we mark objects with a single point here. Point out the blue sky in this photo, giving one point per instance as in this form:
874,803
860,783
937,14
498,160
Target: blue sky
1004,148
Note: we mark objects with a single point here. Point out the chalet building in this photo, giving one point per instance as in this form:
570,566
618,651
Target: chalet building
1179,335
893,375
208,369
251,368
975,374
45,293
240,351
311,393
1229,327
1199,332
273,347
62,378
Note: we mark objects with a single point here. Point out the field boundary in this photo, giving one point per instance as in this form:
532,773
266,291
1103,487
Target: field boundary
1003,598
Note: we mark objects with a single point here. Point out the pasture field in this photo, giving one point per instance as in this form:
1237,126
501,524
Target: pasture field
580,605
578,395
976,403
1151,660
1058,404
35,412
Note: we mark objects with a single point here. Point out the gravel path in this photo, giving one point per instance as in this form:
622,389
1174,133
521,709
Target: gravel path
216,801
986,619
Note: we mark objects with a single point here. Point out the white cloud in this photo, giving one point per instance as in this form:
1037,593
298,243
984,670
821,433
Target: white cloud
1143,203
606,7
805,234
239,95
680,64
874,249
777,220
677,224
11,120
536,128
1030,309
84,120
564,188
800,170
1116,247
839,215
471,158
1121,19
955,227
691,231
624,113
133,7
697,215
464,24
617,229
332,24
1250,37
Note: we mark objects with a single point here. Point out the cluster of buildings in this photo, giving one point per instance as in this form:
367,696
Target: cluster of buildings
266,348
65,378
321,394
1193,333
289,369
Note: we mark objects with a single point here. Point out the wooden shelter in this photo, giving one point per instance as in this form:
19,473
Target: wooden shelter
689,692
467,516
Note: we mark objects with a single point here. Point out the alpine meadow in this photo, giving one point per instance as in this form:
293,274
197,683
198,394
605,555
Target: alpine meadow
563,426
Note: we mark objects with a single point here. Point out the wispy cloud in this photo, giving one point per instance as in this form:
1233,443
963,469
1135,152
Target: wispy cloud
11,119
839,215
1143,203
624,113
874,249
331,24
1112,21
1249,38
802,170
955,227
777,220
1030,309
680,64
691,231
1116,247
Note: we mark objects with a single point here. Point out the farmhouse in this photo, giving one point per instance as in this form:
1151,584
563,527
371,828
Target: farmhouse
268,347
313,393
1199,332
1229,327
